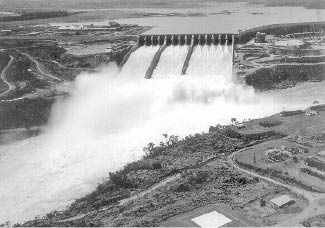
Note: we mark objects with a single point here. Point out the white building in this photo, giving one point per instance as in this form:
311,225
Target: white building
212,219
282,201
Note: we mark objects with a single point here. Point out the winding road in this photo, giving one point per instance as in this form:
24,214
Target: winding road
316,201
4,79
39,69
160,184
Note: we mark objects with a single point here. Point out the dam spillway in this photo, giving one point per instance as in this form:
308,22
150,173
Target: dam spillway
171,61
133,68
188,39
163,56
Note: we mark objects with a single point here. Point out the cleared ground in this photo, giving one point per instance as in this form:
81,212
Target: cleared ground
305,140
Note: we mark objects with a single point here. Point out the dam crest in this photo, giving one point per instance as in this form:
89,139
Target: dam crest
187,39
178,50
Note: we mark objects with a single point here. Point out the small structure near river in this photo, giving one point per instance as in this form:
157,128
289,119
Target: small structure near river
281,202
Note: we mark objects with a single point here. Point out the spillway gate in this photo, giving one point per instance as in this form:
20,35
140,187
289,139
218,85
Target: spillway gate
188,39
191,40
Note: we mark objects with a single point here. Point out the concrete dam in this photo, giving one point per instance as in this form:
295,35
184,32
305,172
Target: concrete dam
168,55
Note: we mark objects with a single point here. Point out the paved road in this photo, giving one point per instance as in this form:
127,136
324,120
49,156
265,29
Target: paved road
39,69
316,201
4,79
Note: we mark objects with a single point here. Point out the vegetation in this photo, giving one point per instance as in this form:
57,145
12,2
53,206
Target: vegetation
189,157
25,113
314,162
269,124
276,174
313,173
270,78
317,221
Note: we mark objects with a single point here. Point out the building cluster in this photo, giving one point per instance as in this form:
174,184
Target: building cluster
260,37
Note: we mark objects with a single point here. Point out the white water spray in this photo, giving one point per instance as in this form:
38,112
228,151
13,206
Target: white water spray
139,62
107,120
171,62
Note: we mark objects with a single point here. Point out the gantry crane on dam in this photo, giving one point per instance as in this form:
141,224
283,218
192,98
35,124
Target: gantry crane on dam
192,40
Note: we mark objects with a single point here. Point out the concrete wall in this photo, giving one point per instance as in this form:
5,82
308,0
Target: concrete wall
181,39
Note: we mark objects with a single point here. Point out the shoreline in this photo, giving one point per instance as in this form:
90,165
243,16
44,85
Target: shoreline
179,176
62,218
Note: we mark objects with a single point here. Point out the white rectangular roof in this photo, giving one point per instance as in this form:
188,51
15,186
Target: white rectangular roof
281,200
212,219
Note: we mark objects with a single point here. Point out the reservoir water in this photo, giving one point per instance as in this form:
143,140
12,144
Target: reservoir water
222,18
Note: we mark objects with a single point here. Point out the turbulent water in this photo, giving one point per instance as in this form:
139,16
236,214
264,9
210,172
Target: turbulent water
139,62
112,115
171,62
210,61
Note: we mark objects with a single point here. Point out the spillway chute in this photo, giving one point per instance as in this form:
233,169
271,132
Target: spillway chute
201,55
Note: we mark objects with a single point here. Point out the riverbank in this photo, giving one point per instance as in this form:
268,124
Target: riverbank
204,178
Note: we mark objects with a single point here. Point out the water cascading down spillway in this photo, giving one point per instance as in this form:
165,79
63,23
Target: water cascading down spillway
181,54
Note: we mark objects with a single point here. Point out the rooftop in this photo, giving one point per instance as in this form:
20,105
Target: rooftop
282,200
212,219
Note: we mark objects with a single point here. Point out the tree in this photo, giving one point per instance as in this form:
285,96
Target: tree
151,146
149,149
172,140
162,145
121,180
295,159
156,165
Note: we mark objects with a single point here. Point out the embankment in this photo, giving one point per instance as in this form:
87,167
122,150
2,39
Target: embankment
282,29
285,76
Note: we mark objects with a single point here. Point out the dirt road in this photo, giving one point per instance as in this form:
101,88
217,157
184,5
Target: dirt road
160,184
39,69
4,79
316,205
